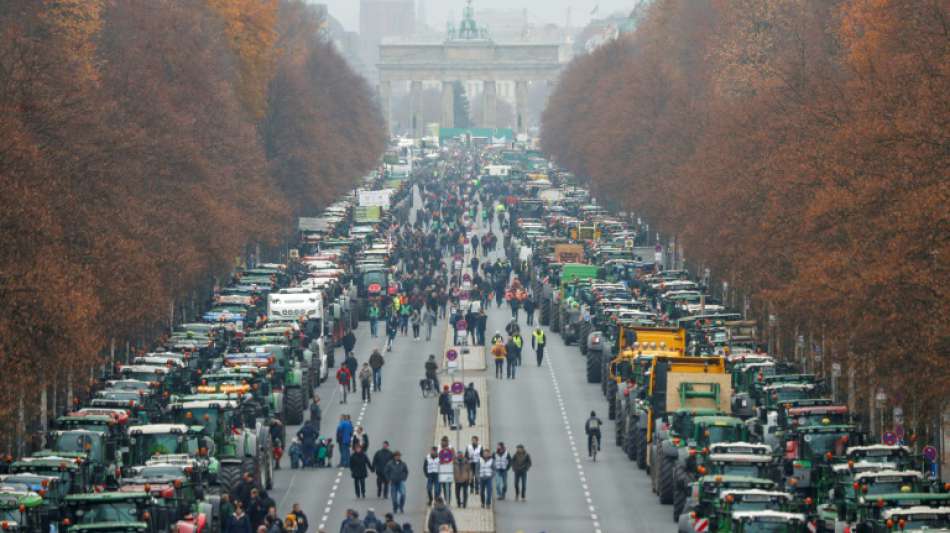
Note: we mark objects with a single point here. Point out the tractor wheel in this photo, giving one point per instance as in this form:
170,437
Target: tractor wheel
679,491
294,406
555,318
618,431
630,439
611,403
642,449
229,475
544,317
604,375
665,480
593,367
269,475
582,338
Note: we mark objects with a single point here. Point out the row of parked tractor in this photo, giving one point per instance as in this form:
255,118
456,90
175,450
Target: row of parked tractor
733,438
168,431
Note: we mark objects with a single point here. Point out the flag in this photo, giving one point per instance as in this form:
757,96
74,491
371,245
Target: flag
595,10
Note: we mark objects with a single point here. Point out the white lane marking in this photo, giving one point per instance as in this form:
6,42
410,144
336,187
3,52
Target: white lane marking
570,436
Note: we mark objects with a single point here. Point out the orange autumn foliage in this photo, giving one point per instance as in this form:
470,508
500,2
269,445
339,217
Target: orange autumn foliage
800,150
134,169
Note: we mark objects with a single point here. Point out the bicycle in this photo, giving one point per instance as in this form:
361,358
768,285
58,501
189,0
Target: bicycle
594,447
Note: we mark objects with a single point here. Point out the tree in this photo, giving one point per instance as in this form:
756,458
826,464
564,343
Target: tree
463,117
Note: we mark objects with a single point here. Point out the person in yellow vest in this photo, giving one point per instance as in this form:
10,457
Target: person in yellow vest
538,341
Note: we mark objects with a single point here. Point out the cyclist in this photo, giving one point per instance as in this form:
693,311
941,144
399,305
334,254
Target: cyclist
592,428
431,369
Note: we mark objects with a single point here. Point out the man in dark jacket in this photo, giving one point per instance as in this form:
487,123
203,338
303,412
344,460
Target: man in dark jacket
349,342
376,362
472,402
352,364
439,516
381,458
396,473
316,413
257,510
511,358
308,438
352,524
302,522
239,522
242,491
359,468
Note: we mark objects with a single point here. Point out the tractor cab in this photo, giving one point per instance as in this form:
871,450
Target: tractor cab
151,440
20,509
126,512
769,522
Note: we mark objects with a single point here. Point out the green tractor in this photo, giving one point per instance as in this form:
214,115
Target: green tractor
866,483
150,440
237,447
703,502
811,452
920,511
723,458
289,374
69,471
51,489
179,486
21,510
252,385
690,430
125,512
745,501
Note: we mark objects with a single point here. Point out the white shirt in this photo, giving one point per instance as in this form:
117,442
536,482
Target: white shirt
432,464
474,453
486,468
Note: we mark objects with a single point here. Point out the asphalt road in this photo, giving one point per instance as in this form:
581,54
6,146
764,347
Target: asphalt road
544,409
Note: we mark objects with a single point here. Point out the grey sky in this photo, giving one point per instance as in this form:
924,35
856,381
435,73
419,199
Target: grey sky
539,11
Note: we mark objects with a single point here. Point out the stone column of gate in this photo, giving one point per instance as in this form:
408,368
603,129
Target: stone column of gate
415,109
521,106
385,104
448,105
490,95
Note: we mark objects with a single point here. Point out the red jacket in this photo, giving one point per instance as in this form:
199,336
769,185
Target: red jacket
343,376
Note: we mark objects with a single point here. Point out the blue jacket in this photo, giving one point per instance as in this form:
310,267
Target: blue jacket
344,432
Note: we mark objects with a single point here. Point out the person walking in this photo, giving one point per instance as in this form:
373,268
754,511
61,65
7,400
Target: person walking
392,327
486,473
474,453
374,314
481,323
397,473
429,318
502,463
520,464
239,522
343,377
354,366
349,342
359,469
441,516
519,346
366,383
381,460
462,475
529,307
415,319
359,437
430,466
445,407
376,362
472,402
538,342
316,413
500,353
511,357
344,436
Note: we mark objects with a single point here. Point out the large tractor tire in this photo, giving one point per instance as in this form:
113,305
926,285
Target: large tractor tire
555,318
294,406
229,475
544,316
621,420
604,375
593,367
630,439
680,487
665,480
582,337
642,449
611,401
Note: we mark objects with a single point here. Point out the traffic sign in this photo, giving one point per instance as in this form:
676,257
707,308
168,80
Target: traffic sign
930,453
889,438
451,355
458,387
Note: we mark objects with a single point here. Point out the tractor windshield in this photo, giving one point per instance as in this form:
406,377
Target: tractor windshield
206,416
109,512
723,433
158,444
818,444
769,526
742,469
77,441
921,521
